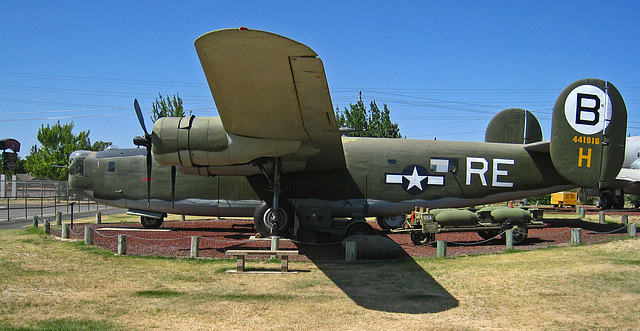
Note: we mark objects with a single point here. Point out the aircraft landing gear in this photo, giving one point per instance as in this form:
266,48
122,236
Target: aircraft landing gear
274,218
150,222
267,222
608,200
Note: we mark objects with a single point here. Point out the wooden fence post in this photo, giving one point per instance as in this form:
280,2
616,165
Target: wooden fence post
351,251
98,218
47,227
509,238
625,219
441,248
65,231
195,246
88,235
122,244
582,212
576,236
631,229
602,217
35,221
58,218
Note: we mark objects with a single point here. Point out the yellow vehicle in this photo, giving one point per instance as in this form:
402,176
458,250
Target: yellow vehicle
564,199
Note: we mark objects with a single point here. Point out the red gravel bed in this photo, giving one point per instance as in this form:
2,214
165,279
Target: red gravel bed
218,236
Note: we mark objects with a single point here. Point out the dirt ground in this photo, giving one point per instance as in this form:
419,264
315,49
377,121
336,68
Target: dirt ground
219,235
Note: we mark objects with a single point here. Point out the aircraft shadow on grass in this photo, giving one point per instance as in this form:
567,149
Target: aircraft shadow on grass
590,226
400,286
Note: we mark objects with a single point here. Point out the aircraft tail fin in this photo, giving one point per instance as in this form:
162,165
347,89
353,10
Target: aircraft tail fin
588,133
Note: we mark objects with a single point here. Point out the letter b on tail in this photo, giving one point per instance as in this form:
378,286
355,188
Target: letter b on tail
588,133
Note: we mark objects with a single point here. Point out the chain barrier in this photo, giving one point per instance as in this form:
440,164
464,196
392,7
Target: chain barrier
554,234
316,244
336,243
226,241
609,232
539,235
76,233
103,235
477,242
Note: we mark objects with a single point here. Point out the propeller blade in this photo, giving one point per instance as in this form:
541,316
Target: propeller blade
146,142
136,106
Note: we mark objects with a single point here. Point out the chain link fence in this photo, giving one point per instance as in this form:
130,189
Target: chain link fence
23,199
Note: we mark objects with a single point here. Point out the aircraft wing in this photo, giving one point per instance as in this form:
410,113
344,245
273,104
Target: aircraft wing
268,86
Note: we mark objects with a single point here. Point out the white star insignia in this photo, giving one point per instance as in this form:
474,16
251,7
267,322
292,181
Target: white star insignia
415,179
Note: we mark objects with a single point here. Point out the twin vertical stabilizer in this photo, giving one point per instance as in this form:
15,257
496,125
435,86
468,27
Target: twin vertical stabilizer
588,133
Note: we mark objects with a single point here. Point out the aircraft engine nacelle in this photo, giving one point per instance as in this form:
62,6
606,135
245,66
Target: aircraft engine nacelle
204,142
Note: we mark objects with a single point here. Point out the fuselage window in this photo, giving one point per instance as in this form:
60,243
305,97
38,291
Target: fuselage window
112,166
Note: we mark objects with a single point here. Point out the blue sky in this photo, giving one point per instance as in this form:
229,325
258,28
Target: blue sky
444,68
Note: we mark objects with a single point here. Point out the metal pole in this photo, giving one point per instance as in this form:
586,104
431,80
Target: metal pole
72,214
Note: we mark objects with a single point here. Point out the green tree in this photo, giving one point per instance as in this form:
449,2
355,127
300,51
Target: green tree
167,107
368,123
52,158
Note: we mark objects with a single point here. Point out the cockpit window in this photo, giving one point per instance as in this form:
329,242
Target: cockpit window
76,166
76,162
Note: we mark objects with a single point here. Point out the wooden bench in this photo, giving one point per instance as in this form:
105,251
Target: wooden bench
241,255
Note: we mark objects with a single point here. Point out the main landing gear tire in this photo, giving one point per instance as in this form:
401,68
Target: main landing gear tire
519,227
264,220
150,222
605,201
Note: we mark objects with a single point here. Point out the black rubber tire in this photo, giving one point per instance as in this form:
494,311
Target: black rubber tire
420,238
390,222
488,234
307,236
150,222
284,221
520,231
359,228
606,201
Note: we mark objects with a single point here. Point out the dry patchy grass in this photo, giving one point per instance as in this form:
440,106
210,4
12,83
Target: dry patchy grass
47,284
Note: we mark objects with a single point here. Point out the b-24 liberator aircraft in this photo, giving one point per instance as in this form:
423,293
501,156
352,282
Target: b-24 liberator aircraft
277,154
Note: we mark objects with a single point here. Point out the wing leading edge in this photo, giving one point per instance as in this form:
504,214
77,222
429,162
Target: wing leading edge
271,87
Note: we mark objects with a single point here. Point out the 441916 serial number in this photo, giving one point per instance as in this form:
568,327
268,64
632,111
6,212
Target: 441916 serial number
586,140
